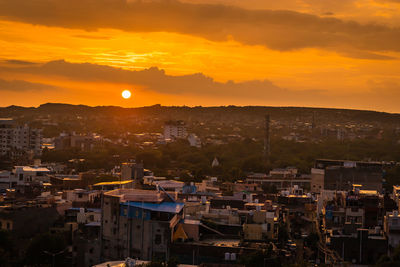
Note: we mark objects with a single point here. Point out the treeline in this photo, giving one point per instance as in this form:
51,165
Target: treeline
117,120
235,159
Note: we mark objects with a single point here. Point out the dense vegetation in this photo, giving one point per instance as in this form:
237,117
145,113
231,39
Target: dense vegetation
236,159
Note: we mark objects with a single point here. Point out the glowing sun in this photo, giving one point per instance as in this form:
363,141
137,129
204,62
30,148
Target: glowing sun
126,94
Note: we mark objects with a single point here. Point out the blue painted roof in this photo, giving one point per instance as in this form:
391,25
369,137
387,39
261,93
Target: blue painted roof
169,207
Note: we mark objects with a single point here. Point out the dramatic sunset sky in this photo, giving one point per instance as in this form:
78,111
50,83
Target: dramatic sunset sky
318,53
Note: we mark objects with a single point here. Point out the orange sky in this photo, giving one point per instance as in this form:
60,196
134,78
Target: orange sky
333,53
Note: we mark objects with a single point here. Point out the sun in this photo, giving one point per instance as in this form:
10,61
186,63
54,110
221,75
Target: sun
126,94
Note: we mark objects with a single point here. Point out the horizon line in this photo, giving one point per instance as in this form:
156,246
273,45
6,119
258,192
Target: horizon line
200,106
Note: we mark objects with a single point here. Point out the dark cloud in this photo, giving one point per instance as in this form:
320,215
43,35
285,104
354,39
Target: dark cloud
154,79
18,62
280,30
21,86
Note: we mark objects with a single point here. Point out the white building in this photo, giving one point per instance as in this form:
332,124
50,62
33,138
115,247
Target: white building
194,140
85,216
174,130
15,139
27,174
23,175
81,195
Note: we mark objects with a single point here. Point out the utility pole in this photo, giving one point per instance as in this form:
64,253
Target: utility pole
267,140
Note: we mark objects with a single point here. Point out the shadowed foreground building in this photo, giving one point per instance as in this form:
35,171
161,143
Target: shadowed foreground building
138,224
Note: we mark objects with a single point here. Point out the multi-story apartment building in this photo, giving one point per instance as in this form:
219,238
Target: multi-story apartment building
347,211
16,139
175,130
138,224
340,175
72,140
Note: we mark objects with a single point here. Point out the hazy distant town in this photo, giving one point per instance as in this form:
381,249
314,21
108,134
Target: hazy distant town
180,186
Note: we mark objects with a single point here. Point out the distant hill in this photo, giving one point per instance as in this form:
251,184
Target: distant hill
321,115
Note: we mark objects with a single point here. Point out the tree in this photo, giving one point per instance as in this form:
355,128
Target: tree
47,249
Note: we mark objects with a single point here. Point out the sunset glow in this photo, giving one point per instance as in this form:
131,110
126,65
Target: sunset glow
317,54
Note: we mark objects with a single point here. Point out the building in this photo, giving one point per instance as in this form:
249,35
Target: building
280,179
24,175
132,171
392,229
363,247
16,140
28,174
345,212
262,225
82,197
194,140
67,141
138,224
340,175
83,215
175,130
241,186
